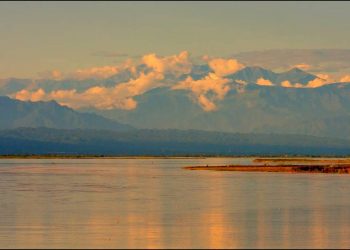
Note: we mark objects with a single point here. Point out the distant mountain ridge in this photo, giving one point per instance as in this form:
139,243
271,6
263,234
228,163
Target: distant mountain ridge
324,111
245,107
249,74
252,74
15,113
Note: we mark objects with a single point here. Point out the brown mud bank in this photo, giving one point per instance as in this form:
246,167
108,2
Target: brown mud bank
321,160
331,169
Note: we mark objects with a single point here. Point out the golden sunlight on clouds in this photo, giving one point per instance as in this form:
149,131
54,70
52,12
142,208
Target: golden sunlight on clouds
345,78
302,66
223,67
317,82
26,95
288,84
101,72
150,72
206,104
264,82
177,64
96,72
119,96
321,80
210,83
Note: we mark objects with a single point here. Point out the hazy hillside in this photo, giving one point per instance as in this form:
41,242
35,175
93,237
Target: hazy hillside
323,111
14,113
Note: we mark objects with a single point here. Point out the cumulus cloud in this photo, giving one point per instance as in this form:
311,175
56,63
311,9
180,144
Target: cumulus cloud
317,82
140,85
288,84
149,72
223,67
264,82
345,78
200,88
27,95
176,64
119,96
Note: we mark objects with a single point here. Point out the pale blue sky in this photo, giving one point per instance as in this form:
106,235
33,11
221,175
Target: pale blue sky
40,36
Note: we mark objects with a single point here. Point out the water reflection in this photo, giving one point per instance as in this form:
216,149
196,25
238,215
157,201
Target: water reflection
153,203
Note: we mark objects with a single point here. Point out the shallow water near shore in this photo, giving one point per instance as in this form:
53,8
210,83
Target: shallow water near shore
154,203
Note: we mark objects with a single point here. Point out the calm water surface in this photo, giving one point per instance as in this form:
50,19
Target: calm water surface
153,203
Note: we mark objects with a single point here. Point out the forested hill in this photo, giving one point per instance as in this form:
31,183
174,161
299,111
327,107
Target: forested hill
22,141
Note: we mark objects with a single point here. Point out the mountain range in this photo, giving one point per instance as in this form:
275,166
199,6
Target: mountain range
250,108
247,107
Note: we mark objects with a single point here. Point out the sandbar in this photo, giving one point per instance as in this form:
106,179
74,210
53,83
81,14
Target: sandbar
317,168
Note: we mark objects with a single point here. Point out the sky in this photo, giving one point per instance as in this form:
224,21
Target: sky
42,36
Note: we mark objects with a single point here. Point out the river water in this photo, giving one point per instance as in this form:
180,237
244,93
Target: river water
154,203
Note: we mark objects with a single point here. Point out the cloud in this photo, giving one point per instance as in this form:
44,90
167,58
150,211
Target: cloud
303,66
53,74
325,77
317,82
345,78
223,67
321,80
27,95
101,72
264,82
242,82
176,64
140,85
119,96
95,72
206,104
331,61
200,88
82,74
288,84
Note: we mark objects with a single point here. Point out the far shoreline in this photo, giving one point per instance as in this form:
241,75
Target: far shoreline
257,158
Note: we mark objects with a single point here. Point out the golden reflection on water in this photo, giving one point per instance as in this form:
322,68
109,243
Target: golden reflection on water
215,217
133,204
145,229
